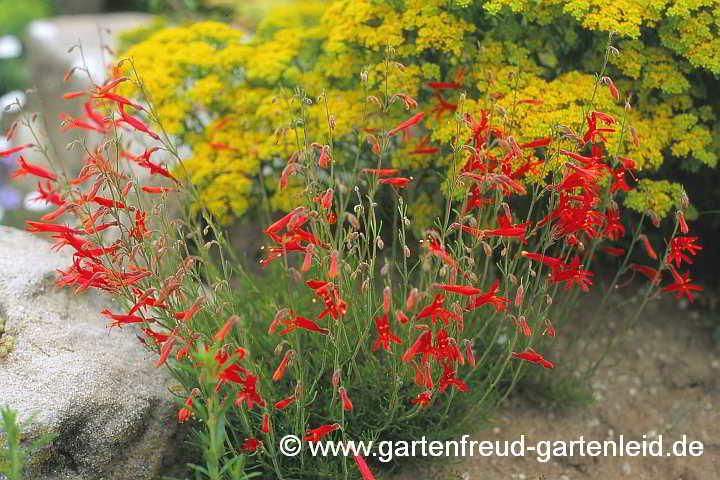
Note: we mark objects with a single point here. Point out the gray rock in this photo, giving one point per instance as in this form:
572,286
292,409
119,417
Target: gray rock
96,388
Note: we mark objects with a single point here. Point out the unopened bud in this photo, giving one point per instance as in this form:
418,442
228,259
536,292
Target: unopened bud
406,251
380,243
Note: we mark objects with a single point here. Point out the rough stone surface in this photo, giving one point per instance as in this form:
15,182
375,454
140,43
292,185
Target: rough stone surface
95,387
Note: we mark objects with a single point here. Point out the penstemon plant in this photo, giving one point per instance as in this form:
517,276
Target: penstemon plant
355,332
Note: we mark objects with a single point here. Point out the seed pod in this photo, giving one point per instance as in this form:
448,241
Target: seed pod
519,295
503,252
513,279
406,251
380,243
548,299
352,219
365,285
336,377
486,248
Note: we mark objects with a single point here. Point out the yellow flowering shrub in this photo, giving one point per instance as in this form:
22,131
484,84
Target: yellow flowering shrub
228,96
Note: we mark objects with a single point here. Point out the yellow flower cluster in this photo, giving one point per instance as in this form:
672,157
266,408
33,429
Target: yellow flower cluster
657,196
220,92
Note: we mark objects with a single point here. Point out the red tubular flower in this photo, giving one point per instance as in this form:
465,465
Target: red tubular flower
363,467
683,225
25,168
489,297
380,172
422,345
284,403
266,423
136,124
682,285
187,315
303,323
347,404
531,356
184,413
120,101
222,333
400,182
444,85
449,379
165,351
549,261
401,317
432,309
460,289
648,247
330,294
120,320
249,392
315,434
415,119
382,326
423,398
251,444
572,274
158,189
11,151
436,250
680,244
280,370
332,272
652,274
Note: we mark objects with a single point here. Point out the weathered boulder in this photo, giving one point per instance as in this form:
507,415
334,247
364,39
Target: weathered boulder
95,387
